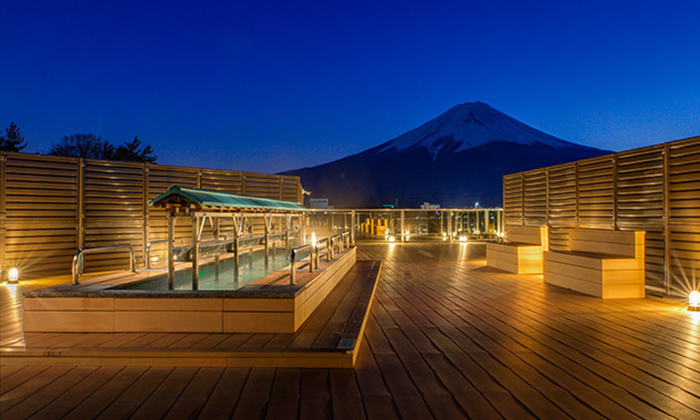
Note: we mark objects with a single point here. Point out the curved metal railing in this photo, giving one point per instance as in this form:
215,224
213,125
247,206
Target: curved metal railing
79,260
315,252
293,259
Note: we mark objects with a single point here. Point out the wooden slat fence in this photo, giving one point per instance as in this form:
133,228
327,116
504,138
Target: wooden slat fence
52,206
655,189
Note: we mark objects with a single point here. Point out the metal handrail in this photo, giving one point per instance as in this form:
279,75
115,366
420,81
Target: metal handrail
293,258
79,260
329,241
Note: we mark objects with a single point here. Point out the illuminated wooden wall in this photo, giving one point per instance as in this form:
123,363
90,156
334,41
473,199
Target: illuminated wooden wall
51,206
655,189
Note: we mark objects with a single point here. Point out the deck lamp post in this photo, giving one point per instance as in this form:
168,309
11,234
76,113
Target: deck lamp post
694,301
13,276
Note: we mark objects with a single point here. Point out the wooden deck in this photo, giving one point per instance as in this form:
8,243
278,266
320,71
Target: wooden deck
447,338
328,339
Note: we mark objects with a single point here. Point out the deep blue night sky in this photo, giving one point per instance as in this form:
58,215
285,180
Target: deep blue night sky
268,86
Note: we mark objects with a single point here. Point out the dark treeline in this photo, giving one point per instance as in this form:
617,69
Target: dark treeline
86,146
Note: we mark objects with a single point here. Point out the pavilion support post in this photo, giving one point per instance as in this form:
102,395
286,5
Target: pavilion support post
195,253
267,221
217,260
171,259
236,240
289,231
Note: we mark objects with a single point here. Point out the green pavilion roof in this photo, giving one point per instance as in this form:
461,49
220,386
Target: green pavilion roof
207,199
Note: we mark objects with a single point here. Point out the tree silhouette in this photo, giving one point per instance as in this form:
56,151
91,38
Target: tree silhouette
12,141
86,146
130,152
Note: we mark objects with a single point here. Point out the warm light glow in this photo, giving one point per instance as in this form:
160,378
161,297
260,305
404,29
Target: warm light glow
313,239
463,239
694,301
444,234
13,275
406,233
391,239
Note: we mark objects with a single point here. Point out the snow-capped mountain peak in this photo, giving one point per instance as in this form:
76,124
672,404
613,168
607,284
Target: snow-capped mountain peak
469,125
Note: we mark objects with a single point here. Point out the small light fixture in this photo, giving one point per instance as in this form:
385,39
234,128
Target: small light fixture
13,275
313,240
694,301
392,239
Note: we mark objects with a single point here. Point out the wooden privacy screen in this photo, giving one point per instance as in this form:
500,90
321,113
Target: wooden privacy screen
51,206
655,189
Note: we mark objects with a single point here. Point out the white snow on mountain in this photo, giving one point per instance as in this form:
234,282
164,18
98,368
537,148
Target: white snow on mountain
469,125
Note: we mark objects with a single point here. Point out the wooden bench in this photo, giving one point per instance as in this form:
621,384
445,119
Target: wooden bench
522,254
601,263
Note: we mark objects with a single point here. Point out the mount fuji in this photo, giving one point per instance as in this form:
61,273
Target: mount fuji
455,160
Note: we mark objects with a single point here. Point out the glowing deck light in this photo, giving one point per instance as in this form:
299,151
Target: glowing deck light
313,239
463,239
391,239
694,301
13,275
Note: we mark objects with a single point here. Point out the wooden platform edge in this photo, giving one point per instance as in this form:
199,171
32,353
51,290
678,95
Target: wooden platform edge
356,350
302,358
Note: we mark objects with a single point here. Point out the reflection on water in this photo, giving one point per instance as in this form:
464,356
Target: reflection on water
252,266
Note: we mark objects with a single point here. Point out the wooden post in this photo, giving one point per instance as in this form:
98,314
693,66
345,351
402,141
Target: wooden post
171,241
403,225
576,192
217,260
146,227
3,209
81,203
267,220
614,192
195,252
237,226
667,217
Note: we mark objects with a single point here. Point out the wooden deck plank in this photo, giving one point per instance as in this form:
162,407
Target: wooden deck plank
315,402
59,407
225,394
44,394
255,395
625,375
132,398
284,399
346,399
159,402
551,372
192,400
100,399
447,337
